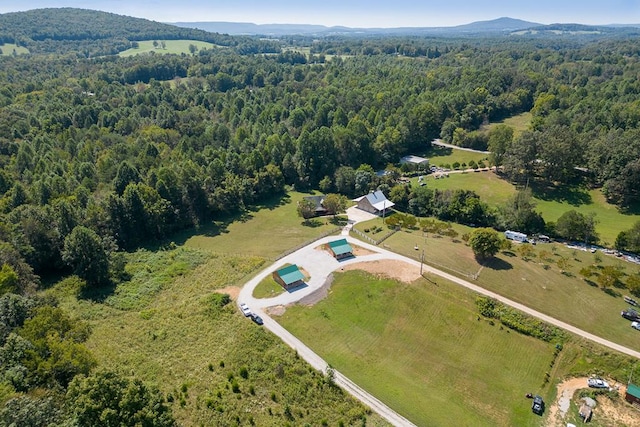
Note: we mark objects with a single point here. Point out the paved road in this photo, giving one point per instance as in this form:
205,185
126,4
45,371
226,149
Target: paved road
319,264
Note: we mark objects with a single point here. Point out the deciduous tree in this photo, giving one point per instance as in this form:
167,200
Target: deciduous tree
485,242
85,254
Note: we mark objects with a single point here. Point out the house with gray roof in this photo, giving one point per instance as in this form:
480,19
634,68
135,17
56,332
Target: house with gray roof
375,202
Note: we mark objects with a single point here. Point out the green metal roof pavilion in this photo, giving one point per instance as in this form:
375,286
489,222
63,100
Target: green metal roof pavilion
340,247
633,390
290,274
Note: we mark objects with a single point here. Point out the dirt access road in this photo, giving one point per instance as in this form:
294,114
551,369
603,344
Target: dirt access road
455,147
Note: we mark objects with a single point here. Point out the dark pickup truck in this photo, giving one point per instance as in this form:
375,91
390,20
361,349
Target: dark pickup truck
630,314
538,405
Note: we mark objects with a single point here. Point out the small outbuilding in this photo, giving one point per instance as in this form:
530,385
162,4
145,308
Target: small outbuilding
633,394
416,162
340,249
375,202
289,277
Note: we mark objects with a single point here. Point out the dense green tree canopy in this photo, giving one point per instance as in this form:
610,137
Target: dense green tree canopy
85,254
485,242
573,225
110,399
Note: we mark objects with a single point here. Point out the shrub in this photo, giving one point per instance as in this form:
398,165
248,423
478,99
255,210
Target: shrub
218,300
244,373
519,322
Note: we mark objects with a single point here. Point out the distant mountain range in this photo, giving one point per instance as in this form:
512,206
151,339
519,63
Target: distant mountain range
503,25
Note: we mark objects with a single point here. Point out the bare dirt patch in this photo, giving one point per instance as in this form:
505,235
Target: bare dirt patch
392,269
360,251
617,413
233,291
560,407
607,412
277,310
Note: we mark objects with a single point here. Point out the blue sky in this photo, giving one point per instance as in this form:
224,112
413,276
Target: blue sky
357,13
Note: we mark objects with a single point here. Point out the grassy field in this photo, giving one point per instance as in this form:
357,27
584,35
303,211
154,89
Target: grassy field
265,232
9,48
267,288
519,123
492,189
420,348
537,283
551,204
171,46
440,156
216,367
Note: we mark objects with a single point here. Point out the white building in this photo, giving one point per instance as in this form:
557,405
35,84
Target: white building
514,235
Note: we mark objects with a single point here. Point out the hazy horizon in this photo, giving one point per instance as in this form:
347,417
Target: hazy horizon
356,13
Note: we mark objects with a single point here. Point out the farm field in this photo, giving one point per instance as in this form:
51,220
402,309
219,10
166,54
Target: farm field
171,46
537,283
420,348
9,48
494,191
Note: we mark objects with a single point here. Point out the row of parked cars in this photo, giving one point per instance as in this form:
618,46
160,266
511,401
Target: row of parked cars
244,308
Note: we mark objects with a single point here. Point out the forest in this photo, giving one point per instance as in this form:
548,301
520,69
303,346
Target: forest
100,155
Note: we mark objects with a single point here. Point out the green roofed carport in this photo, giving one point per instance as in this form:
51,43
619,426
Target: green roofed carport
289,276
633,394
341,248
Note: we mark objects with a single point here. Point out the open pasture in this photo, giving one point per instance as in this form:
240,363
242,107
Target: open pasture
537,282
170,46
551,204
421,349
267,231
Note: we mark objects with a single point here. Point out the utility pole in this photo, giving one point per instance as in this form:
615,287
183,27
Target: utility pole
421,261
384,208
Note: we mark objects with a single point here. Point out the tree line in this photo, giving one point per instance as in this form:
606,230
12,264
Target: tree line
133,149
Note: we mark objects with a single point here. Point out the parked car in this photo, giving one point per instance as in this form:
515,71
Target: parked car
244,308
630,300
597,383
635,325
257,319
630,314
538,405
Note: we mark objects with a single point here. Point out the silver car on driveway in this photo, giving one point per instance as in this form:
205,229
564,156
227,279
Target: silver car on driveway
244,308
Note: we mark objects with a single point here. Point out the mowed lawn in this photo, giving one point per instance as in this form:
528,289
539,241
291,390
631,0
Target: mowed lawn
537,283
519,123
266,232
421,349
171,46
440,156
495,191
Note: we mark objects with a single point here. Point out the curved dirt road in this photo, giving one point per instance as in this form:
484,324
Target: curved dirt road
319,264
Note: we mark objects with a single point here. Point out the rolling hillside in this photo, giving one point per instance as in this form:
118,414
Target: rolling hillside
100,33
